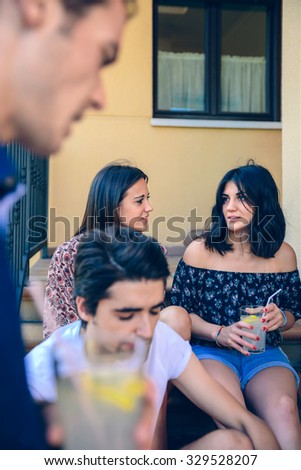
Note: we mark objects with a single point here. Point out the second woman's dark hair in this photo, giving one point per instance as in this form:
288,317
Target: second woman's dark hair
107,190
267,228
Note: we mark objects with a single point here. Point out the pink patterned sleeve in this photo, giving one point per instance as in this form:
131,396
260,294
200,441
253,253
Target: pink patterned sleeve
60,308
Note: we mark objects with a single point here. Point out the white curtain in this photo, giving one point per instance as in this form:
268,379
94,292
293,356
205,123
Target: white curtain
243,84
181,82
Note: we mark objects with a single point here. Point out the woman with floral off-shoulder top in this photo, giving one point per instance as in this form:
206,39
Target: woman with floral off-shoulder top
242,259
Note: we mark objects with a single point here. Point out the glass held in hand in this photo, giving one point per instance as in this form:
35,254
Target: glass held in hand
252,315
101,391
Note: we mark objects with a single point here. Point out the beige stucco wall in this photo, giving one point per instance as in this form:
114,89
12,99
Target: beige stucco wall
184,164
291,106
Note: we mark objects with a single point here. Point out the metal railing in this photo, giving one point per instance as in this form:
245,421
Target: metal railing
27,228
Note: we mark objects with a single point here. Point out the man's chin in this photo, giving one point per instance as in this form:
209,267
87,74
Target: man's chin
40,149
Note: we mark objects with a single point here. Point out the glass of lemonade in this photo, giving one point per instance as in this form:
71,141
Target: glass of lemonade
252,315
100,395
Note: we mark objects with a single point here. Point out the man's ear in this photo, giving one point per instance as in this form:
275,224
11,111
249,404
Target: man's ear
33,12
82,309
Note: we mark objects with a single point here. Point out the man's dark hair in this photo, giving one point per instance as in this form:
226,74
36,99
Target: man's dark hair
267,228
78,7
119,254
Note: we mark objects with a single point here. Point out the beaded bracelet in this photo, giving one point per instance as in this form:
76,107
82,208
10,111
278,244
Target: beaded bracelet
284,318
217,335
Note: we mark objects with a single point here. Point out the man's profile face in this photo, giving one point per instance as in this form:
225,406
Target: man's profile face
132,309
57,72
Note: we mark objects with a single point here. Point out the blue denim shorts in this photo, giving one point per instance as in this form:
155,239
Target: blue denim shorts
245,367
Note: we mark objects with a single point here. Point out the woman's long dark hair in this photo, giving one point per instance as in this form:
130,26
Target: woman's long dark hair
107,190
267,228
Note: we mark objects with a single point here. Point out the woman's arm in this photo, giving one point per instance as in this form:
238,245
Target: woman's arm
290,321
287,263
201,329
224,336
215,400
59,306
275,319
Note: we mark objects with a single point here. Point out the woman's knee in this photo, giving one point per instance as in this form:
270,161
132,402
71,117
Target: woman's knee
235,440
178,319
287,409
284,420
225,439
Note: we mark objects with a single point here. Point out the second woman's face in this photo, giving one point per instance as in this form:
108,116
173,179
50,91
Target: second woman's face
135,207
236,209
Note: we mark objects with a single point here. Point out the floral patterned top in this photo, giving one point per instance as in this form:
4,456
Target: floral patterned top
217,295
59,306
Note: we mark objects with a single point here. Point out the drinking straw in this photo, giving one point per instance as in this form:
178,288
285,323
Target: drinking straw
271,296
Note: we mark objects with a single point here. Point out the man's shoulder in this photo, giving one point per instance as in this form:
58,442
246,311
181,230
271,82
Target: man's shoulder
169,352
72,329
162,329
64,332
165,336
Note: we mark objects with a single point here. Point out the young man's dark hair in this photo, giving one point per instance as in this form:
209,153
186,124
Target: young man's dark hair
78,6
119,254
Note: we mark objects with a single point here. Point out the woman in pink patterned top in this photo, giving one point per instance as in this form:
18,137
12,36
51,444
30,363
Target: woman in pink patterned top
118,195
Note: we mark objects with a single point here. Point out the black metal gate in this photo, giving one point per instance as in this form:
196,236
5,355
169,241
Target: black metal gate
27,228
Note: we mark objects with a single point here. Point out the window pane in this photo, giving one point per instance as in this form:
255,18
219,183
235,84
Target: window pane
243,60
181,59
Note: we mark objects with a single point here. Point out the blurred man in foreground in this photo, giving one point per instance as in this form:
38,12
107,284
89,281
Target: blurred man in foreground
51,53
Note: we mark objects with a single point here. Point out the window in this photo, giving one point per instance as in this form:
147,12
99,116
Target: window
217,59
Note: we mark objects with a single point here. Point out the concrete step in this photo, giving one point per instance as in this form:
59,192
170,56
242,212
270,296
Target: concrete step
31,323
31,318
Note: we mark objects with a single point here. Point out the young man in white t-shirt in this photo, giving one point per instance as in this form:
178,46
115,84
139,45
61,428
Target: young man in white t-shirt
119,285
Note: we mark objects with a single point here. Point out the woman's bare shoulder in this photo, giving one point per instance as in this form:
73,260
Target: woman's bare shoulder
196,254
286,258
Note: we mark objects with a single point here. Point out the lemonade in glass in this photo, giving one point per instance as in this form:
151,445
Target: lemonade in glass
252,315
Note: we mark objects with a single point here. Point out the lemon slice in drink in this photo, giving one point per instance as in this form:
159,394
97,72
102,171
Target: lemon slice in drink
250,319
123,394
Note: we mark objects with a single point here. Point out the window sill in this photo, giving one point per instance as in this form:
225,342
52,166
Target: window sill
160,122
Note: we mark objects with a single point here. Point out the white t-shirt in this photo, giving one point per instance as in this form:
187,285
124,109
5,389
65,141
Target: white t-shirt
167,359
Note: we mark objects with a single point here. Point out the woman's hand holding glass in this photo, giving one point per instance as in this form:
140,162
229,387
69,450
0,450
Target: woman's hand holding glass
235,337
273,317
